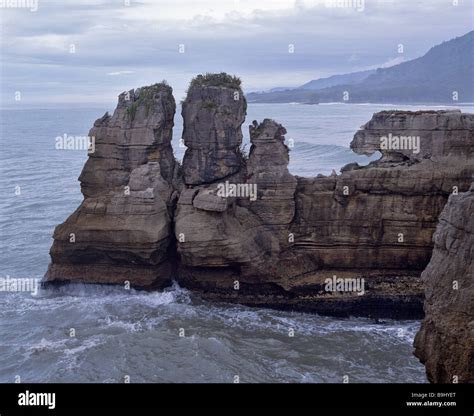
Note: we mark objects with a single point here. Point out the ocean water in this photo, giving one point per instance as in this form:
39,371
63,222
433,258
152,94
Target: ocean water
121,334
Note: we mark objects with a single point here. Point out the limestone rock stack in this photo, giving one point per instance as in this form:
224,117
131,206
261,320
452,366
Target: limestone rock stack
213,113
267,167
122,230
219,240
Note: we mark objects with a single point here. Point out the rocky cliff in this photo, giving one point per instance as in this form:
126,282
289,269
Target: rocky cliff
445,342
244,229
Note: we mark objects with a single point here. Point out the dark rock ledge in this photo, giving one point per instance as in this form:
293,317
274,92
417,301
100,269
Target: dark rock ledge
147,220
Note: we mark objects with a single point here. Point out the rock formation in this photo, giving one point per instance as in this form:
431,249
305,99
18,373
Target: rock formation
445,342
267,168
246,230
373,223
212,115
229,239
122,231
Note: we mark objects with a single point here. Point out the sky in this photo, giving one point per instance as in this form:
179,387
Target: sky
80,53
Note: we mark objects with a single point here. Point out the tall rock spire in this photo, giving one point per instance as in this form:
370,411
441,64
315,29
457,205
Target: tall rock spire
213,113
122,230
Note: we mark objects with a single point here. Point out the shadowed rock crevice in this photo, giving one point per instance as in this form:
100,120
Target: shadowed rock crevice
249,231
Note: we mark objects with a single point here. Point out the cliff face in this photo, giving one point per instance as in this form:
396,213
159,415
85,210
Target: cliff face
445,342
246,230
376,222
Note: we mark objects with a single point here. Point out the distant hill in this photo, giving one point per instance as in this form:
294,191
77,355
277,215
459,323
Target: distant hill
432,78
306,93
296,95
352,78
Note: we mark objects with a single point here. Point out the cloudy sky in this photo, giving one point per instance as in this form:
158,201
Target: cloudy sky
86,52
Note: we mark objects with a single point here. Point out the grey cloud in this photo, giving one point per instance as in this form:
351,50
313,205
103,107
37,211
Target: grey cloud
110,37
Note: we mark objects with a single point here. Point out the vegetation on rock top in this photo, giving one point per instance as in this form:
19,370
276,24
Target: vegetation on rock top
216,80
146,96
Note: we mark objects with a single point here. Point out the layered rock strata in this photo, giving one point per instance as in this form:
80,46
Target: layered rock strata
248,231
445,342
373,223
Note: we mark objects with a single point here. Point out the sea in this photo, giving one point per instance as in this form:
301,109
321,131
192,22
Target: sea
104,334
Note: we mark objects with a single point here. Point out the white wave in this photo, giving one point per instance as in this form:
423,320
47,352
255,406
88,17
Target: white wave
85,345
109,322
47,345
